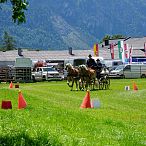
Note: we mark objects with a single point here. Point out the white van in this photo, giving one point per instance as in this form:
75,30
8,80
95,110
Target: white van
112,63
129,71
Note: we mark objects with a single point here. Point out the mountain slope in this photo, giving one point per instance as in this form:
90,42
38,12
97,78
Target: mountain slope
60,24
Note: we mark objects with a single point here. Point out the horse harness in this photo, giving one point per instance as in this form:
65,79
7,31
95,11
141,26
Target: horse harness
73,73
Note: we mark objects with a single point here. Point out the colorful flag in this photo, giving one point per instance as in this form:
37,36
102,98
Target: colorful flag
130,55
96,49
112,50
120,49
126,51
145,49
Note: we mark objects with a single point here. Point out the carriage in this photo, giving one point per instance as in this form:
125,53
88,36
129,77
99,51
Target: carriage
104,80
86,78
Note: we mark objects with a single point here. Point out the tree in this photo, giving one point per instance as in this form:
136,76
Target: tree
18,8
9,42
107,37
116,36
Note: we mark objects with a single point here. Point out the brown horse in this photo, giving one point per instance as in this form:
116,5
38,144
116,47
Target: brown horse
87,76
73,76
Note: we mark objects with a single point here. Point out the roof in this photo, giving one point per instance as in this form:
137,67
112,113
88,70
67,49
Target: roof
136,43
60,55
43,55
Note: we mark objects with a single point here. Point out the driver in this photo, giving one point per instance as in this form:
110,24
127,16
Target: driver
98,68
91,62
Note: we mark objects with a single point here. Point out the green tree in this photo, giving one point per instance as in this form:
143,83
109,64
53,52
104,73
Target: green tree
117,36
107,37
8,43
18,8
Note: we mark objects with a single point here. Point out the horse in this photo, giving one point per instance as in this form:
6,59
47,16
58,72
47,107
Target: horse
87,76
73,75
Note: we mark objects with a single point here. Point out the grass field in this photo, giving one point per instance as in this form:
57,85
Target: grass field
53,116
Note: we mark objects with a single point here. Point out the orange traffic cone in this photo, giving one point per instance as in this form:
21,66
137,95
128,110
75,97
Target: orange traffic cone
86,101
11,85
135,88
21,101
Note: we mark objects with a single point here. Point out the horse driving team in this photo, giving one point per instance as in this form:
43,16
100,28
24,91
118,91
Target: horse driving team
85,74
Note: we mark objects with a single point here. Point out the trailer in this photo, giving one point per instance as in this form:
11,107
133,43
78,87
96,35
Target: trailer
6,74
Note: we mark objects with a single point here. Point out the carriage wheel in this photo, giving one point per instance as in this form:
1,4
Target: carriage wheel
92,85
96,84
107,83
101,83
101,86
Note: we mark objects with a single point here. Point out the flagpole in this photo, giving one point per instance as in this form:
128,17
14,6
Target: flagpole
145,49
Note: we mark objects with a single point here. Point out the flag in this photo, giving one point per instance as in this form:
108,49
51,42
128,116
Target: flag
130,55
120,49
126,51
145,49
96,50
112,50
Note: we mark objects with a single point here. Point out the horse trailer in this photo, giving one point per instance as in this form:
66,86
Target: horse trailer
75,61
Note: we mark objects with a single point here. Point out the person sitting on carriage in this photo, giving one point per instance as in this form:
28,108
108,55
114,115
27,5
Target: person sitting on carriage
98,68
91,62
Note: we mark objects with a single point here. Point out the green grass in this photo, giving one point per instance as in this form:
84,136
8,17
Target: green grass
53,116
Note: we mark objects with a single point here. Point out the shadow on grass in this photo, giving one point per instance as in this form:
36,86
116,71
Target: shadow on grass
23,139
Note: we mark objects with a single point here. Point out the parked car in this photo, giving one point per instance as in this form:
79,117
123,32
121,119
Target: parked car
129,71
46,73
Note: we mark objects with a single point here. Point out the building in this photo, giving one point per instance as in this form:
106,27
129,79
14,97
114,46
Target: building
9,57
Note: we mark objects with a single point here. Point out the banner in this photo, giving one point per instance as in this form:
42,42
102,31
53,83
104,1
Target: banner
112,50
96,50
120,49
145,49
130,55
126,51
